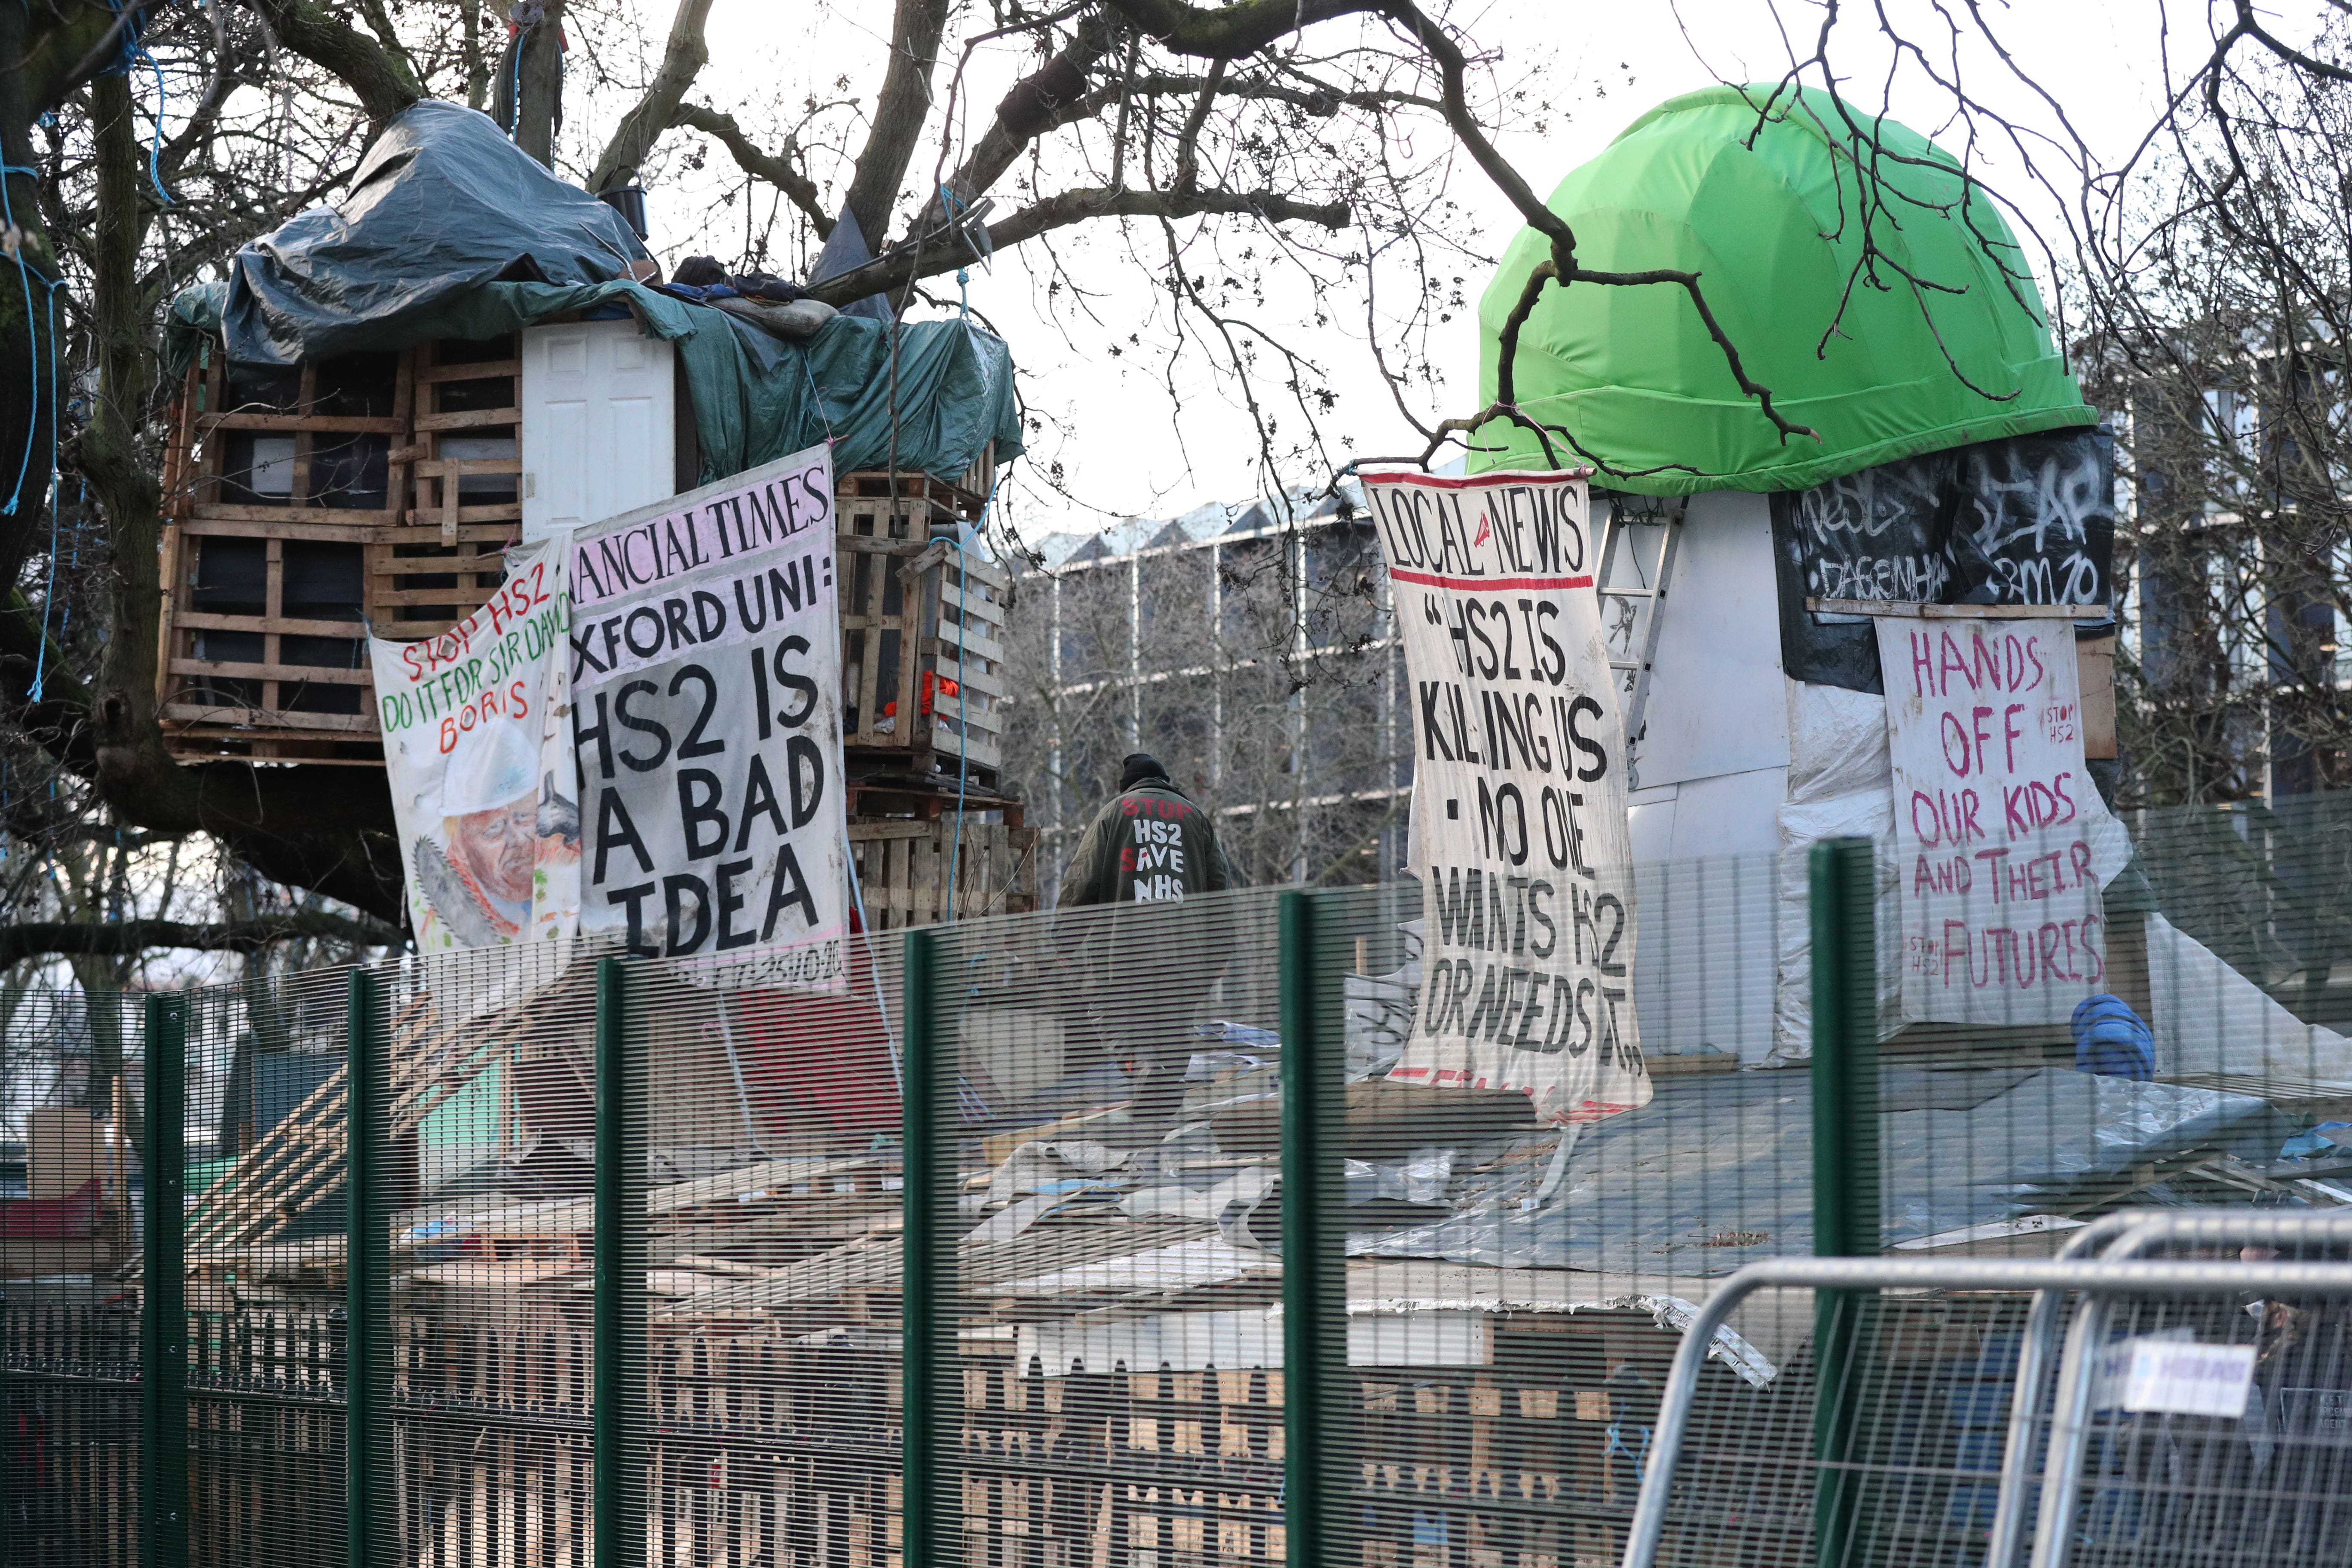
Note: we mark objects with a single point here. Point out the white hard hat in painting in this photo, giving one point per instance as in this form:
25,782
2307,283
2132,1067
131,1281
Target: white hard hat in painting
492,765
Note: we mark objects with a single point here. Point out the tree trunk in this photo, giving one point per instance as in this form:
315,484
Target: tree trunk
540,112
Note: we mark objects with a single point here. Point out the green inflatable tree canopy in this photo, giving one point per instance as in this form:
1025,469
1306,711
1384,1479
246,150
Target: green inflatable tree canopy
1774,230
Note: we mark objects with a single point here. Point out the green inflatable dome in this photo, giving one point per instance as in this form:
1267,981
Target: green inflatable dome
1774,233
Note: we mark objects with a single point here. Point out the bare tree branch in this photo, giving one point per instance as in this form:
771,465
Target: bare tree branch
782,170
898,115
123,939
903,265
658,111
383,82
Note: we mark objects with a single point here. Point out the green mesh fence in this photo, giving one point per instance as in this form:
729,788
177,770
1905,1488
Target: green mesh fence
1113,1238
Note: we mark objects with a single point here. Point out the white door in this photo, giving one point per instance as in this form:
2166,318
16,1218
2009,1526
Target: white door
598,431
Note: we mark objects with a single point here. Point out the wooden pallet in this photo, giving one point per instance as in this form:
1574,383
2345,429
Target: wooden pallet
922,627
310,503
277,482
904,869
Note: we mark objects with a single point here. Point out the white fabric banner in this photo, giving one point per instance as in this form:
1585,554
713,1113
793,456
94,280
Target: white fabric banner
2001,841
1519,813
705,669
477,751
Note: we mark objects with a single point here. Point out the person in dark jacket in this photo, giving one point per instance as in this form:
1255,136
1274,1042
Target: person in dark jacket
1148,843
1152,846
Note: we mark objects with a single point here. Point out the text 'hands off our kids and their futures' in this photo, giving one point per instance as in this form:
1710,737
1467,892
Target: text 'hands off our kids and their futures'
2004,841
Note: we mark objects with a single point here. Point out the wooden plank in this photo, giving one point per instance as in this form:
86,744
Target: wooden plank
470,419
1960,612
290,625
395,598
285,522
259,719
321,424
2096,666
871,832
438,468
488,370
325,675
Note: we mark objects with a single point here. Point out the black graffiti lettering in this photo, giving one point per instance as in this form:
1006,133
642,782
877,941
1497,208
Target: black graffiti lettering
759,800
1433,731
1615,906
1503,821
791,680
1586,706
601,732
1549,944
804,775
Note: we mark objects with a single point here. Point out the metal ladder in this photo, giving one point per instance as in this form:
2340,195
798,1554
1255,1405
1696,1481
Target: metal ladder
1619,620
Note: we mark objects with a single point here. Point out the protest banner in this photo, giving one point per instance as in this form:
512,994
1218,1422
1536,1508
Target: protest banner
1519,827
706,673
2002,843
477,752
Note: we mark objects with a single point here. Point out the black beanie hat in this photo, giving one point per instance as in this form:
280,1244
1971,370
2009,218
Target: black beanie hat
1137,767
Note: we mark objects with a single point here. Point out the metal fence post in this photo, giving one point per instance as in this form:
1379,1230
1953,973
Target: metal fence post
620,1308
927,1307
367,1300
1314,1244
1845,1170
164,1321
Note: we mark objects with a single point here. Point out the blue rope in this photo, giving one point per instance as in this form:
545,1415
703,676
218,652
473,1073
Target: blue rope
24,279
155,146
129,54
514,88
950,203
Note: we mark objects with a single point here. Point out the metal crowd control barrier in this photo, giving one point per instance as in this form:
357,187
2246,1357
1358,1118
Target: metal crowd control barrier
2097,1278
2113,1238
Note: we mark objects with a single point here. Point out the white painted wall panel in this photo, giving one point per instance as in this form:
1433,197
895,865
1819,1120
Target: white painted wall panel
599,431
1717,704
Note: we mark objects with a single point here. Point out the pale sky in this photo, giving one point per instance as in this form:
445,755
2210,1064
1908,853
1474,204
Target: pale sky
1129,449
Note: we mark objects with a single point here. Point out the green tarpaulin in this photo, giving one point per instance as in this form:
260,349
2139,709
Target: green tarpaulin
1774,229
756,398
449,230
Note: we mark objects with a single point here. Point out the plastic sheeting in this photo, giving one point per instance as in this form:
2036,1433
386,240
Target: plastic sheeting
2210,1021
442,203
1716,1174
1762,207
1841,785
449,231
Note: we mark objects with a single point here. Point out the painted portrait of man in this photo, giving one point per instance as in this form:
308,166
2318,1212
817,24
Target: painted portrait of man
501,825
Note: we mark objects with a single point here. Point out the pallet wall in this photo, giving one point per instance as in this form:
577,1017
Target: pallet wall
922,629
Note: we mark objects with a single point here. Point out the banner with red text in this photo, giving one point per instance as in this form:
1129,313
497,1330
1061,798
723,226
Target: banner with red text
477,751
706,675
2001,839
1519,827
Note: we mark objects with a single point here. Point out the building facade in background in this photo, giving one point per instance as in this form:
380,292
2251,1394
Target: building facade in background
1251,652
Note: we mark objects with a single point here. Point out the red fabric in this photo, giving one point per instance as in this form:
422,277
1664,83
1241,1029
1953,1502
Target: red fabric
817,1058
74,1215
